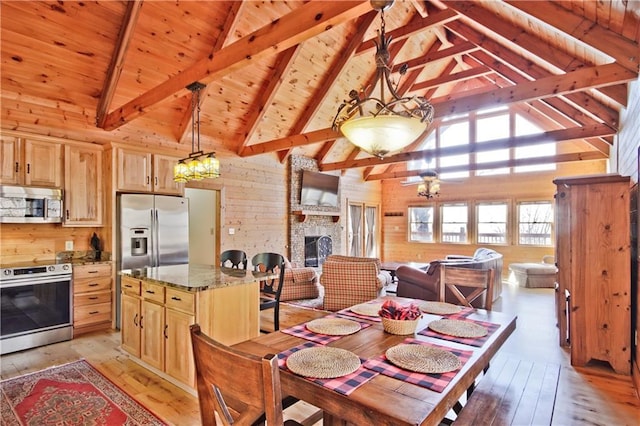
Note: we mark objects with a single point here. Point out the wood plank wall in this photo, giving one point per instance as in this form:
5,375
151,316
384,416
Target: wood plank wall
509,188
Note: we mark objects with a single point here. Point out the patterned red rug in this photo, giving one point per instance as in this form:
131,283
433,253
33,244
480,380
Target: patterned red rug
71,394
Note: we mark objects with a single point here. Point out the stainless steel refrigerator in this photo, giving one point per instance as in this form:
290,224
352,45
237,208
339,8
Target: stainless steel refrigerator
153,231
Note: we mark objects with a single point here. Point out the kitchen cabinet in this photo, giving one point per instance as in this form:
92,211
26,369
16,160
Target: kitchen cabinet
594,268
30,162
157,331
83,193
144,172
91,297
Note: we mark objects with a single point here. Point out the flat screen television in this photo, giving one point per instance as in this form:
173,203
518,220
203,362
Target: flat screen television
319,189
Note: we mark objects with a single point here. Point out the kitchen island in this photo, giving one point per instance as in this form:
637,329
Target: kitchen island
160,303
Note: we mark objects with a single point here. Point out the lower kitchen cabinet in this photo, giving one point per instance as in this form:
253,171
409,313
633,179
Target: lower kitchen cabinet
155,327
91,297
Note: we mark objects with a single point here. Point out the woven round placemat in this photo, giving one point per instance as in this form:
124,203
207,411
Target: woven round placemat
439,308
458,328
422,359
367,309
333,326
323,362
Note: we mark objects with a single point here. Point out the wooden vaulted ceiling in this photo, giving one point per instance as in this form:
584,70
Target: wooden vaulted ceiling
276,71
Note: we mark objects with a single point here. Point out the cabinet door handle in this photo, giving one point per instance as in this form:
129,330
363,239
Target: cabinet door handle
147,180
165,331
93,284
93,298
176,298
128,286
156,180
28,168
92,272
150,291
94,312
141,327
135,320
17,167
67,211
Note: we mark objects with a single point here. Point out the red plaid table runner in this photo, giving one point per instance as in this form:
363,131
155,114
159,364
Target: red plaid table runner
473,341
301,330
435,382
344,385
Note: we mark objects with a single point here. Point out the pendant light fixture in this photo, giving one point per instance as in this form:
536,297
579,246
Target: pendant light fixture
430,185
376,125
197,165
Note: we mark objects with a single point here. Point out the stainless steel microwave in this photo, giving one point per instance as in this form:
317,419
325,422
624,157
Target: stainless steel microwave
28,204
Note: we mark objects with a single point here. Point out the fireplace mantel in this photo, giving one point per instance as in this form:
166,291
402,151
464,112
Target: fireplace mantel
303,214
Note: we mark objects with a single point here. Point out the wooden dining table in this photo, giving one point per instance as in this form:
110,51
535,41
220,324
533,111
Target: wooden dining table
385,400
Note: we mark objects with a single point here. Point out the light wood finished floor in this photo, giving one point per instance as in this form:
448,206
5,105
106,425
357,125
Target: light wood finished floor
593,396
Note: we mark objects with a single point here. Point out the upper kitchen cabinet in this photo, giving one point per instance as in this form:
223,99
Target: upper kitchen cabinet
83,186
30,162
143,172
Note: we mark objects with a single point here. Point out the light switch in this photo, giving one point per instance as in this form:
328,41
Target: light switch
232,231
68,245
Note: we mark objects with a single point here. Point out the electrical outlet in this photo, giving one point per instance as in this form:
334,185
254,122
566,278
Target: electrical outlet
68,245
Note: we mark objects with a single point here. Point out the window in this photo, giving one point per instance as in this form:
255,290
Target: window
492,223
454,223
488,129
535,223
526,127
452,135
421,224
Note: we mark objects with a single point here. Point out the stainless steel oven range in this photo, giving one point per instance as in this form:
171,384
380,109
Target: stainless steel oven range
37,305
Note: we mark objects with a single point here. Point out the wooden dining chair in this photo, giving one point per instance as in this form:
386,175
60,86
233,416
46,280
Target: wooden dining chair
242,389
467,285
270,290
233,259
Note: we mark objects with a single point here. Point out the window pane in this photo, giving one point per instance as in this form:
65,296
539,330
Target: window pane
488,129
492,223
421,224
454,134
526,127
454,223
535,223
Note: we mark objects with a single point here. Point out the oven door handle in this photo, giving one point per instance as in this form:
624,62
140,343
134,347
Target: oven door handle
19,282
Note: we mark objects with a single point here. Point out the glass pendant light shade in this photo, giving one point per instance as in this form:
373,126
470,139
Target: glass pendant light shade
195,169
382,134
210,166
180,172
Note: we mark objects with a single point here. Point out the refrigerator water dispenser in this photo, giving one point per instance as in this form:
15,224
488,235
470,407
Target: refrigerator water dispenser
139,241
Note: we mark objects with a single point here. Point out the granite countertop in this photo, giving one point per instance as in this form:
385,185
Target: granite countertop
196,277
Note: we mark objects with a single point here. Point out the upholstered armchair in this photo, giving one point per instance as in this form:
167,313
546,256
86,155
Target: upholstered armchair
299,283
350,280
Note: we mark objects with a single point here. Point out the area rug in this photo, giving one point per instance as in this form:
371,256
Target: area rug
71,394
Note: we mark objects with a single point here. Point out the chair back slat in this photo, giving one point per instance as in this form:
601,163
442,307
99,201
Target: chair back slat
467,285
240,387
233,259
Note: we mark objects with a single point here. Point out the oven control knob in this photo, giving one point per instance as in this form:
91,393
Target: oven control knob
65,267
51,268
6,271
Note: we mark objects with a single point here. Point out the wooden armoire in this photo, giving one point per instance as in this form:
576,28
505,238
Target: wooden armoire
593,256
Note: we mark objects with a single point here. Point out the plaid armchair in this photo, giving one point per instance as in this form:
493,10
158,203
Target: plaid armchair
351,280
299,283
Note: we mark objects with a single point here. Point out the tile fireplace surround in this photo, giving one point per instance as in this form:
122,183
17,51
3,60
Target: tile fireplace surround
312,226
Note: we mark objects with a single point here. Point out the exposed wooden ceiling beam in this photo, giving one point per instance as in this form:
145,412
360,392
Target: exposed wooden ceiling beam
533,161
452,78
305,22
511,142
420,62
229,22
129,21
266,94
626,52
330,77
416,25
302,139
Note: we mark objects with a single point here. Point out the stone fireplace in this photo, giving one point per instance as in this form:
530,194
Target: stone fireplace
320,225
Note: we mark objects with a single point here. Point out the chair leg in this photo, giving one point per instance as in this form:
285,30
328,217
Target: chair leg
276,317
